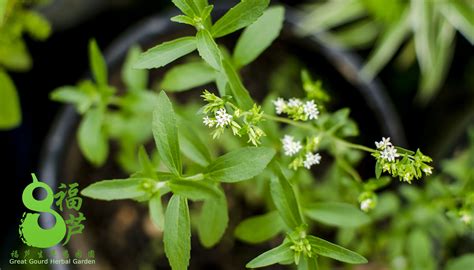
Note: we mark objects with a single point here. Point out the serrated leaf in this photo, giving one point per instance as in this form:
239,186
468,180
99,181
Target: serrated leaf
116,189
10,111
237,89
92,139
194,190
337,214
165,133
166,53
241,15
259,229
97,63
240,164
177,234
208,49
213,220
155,207
330,250
187,76
134,79
285,200
281,253
259,36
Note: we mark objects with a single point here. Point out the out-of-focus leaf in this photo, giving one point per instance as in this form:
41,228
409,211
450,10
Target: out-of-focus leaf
186,76
387,45
10,112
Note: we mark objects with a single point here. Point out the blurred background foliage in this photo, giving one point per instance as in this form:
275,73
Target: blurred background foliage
422,30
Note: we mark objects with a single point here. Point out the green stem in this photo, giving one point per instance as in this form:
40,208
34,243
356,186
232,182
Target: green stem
323,133
196,177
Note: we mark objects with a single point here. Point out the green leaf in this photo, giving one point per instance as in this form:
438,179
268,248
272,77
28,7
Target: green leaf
308,263
285,200
191,144
183,19
459,14
116,189
241,15
10,111
73,95
177,234
280,254
3,8
165,133
146,166
420,251
378,169
337,214
194,190
259,36
208,49
238,90
166,53
213,220
187,76
259,229
330,250
15,56
461,263
387,45
92,138
36,25
240,164
187,7
155,207
97,63
134,79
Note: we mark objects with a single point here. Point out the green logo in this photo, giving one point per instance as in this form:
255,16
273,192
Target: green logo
31,232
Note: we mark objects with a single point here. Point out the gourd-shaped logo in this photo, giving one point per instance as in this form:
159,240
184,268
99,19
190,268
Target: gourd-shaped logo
31,233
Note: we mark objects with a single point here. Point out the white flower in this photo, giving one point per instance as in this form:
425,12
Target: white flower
290,146
385,142
428,170
310,110
366,205
466,219
208,121
311,159
294,102
223,118
389,153
279,105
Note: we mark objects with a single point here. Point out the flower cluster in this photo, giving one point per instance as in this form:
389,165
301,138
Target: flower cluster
300,244
297,109
240,122
306,158
399,162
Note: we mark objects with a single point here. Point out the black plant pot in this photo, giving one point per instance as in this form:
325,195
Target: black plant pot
61,159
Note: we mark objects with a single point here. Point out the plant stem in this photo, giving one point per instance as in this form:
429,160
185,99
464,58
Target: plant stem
315,129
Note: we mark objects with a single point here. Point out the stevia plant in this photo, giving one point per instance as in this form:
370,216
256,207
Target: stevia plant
16,19
269,148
